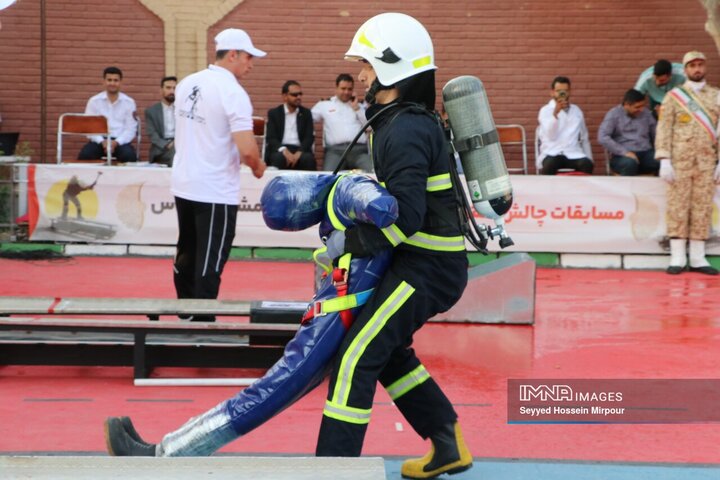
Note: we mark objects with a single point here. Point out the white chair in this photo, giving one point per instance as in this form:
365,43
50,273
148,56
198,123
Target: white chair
514,135
259,130
538,150
80,124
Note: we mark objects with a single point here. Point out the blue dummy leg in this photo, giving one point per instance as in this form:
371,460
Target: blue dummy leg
303,366
305,362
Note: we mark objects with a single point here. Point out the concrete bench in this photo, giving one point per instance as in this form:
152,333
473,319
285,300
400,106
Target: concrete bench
26,348
151,307
215,468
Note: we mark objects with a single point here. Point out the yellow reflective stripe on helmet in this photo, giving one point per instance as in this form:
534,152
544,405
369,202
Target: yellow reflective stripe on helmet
359,416
407,382
421,62
368,333
440,182
394,235
364,40
437,243
334,220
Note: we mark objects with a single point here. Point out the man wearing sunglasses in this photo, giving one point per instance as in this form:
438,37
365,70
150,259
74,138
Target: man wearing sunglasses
290,135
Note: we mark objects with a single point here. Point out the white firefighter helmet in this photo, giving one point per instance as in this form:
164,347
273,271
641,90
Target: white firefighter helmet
396,45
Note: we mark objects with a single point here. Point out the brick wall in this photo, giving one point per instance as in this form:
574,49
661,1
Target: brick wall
515,47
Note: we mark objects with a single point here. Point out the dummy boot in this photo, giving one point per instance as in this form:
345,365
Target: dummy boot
448,454
698,262
130,430
678,256
122,440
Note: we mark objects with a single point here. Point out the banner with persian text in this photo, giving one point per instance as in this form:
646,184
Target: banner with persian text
133,205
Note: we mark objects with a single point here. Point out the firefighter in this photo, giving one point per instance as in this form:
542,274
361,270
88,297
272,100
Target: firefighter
428,272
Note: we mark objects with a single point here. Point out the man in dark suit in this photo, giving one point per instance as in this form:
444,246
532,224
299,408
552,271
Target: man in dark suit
289,137
160,124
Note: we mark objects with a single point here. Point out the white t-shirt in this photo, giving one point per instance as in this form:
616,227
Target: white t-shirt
209,106
340,122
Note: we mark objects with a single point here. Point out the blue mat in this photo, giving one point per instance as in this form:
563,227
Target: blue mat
556,470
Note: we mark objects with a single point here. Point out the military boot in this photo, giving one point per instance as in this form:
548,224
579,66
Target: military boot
120,442
448,454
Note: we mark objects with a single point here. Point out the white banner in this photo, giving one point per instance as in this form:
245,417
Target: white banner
592,214
133,205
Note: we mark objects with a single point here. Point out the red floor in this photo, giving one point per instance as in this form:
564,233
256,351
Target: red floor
589,324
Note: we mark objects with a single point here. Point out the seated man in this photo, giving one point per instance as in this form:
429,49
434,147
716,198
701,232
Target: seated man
659,79
628,133
290,136
119,109
343,116
562,134
160,124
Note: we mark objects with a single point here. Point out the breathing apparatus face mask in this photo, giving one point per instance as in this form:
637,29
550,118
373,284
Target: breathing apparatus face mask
375,87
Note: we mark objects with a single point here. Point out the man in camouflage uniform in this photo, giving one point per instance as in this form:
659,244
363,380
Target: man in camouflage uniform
686,146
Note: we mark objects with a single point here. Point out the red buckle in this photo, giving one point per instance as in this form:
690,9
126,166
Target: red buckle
340,281
340,278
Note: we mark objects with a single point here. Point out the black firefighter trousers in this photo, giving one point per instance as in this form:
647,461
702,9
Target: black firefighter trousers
377,347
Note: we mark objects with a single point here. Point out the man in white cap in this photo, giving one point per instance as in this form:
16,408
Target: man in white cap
686,146
213,137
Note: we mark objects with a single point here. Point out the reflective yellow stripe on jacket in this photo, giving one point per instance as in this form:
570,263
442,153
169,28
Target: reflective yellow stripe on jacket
437,243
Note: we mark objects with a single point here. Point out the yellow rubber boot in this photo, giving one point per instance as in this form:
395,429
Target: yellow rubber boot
448,454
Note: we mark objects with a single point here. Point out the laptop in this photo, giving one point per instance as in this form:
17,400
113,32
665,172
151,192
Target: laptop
8,142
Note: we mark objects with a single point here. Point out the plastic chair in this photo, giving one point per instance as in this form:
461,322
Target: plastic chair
538,167
259,130
514,135
81,124
608,170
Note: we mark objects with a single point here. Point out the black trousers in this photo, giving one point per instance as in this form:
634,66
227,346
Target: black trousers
95,151
551,165
305,162
378,347
206,232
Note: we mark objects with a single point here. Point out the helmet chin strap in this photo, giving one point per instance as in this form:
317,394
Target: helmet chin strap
375,87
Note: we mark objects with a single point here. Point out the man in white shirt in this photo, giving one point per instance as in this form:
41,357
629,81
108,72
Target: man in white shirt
290,134
343,116
119,109
160,124
563,140
213,137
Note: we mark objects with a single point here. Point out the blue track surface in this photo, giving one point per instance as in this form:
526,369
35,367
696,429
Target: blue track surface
549,470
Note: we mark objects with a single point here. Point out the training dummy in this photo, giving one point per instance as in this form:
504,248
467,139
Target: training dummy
291,202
